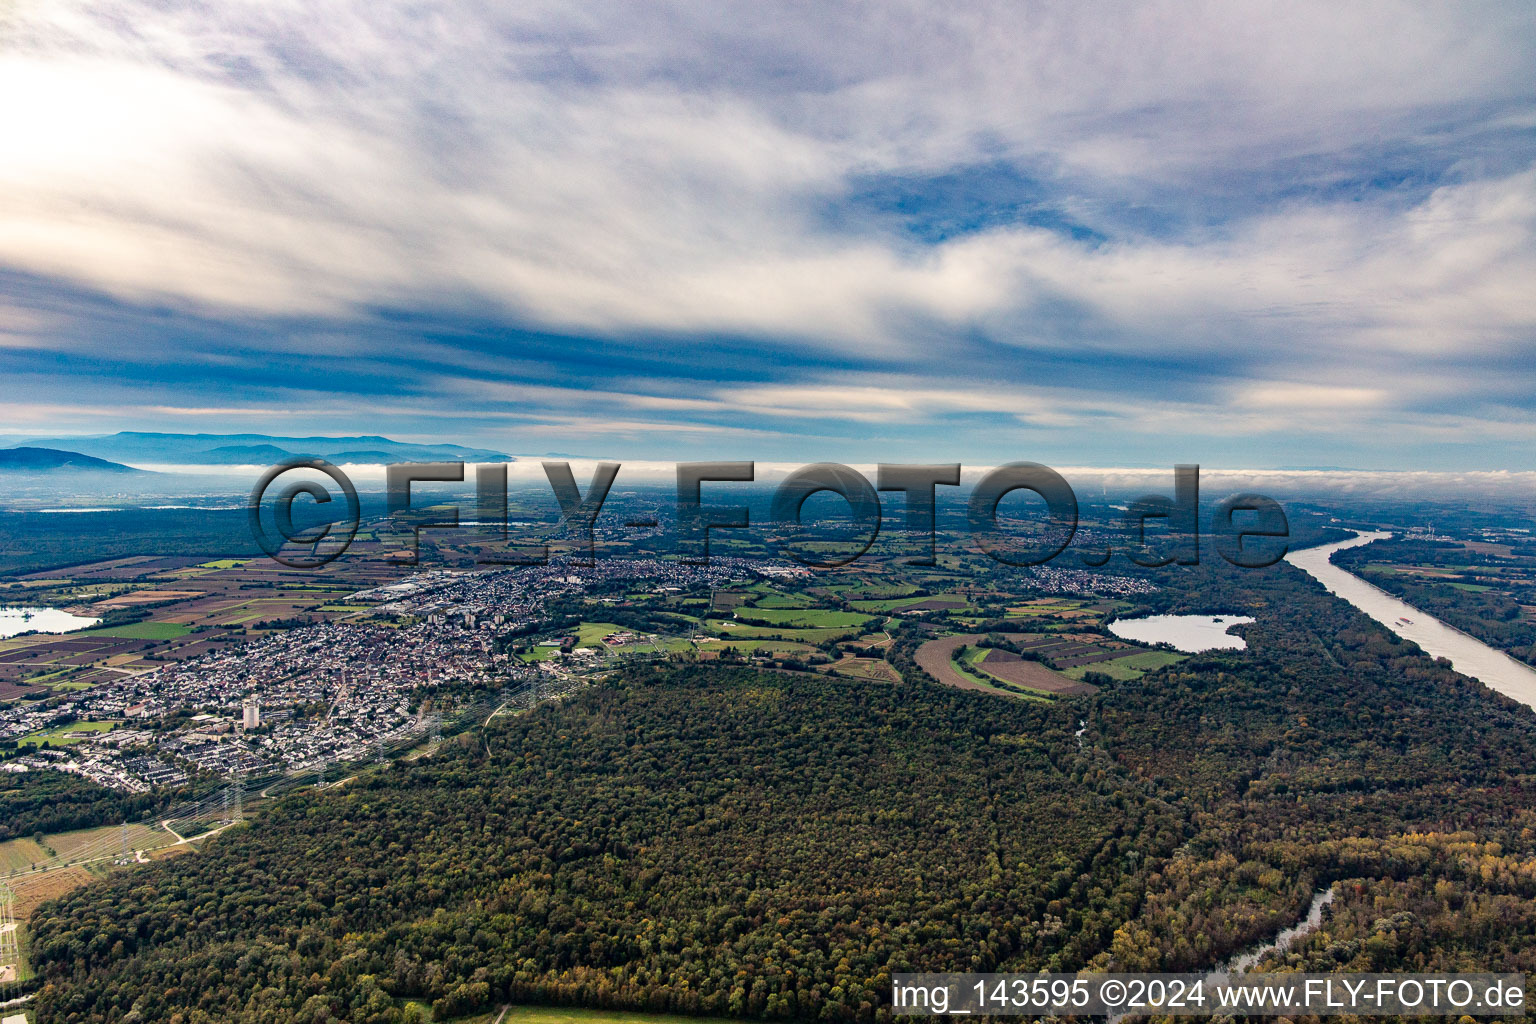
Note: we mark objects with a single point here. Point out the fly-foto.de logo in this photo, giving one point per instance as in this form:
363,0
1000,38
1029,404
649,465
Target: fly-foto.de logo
1247,530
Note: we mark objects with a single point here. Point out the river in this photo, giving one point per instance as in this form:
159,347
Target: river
1241,963
1467,654
1282,942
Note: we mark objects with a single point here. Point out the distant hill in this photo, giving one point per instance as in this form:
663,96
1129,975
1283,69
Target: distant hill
250,452
371,457
50,460
242,449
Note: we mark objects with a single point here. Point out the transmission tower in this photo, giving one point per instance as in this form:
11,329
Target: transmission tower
10,945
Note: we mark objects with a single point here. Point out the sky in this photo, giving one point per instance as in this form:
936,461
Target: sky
1234,234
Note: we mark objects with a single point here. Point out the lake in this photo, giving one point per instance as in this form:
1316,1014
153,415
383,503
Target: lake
1467,654
1189,633
41,620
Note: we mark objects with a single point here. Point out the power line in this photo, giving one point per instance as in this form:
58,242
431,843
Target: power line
10,942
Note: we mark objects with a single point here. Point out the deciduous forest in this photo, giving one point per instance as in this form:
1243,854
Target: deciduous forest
775,845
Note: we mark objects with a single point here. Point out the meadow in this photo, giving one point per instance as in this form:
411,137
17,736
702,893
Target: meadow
144,631
66,735
810,636
802,618
1132,666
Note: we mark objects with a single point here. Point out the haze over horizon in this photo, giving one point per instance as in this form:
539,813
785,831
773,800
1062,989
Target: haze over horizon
1226,234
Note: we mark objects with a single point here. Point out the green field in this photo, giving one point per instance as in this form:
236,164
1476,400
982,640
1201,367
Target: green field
972,666
65,735
968,668
107,841
649,644
872,669
1132,667
590,634
809,636
960,604
540,654
871,591
806,618
20,855
144,631
1044,609
69,686
782,601
774,647
882,592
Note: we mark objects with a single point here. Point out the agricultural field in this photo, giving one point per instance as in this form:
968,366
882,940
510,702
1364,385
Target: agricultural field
936,657
591,634
21,855
1012,670
776,600
922,603
738,630
882,591
728,600
870,591
803,618
1485,589
186,606
776,648
975,679
33,890
107,841
144,631
1055,607
992,669
1132,666
870,669
20,860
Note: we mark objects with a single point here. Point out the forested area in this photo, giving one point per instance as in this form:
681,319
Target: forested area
38,802
720,842
773,845
33,542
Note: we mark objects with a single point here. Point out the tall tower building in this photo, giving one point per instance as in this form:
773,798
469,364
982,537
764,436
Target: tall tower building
252,718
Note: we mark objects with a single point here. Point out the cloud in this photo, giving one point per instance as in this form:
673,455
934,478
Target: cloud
709,213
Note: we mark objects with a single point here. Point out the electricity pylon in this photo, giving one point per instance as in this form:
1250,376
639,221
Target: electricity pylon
10,944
